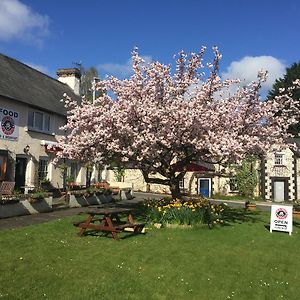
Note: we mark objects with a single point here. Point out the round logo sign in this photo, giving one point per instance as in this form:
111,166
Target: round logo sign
281,213
8,125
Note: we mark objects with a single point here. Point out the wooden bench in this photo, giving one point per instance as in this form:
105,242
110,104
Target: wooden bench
6,188
106,186
109,221
137,227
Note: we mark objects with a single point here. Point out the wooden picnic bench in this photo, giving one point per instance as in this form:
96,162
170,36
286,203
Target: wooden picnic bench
109,220
106,186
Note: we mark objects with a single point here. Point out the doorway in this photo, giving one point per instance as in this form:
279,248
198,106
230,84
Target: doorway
204,187
21,163
279,190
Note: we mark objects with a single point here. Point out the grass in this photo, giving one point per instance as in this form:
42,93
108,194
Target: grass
242,260
236,197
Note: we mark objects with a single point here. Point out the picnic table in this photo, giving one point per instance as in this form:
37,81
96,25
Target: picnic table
109,220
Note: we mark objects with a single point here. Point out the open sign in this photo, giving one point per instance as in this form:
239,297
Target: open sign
282,218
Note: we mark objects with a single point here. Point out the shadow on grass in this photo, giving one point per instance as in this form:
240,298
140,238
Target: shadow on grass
240,216
105,234
229,216
296,223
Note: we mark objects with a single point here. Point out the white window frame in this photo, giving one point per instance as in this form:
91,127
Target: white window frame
279,159
181,184
34,126
43,174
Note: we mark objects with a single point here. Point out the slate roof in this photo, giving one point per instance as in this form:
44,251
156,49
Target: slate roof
25,84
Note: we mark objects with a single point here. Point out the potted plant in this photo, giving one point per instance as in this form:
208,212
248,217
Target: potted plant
15,197
296,210
38,196
249,205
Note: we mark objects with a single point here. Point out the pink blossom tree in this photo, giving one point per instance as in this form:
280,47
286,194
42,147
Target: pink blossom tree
160,120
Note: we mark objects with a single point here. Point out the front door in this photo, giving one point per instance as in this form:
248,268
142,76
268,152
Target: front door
279,190
204,185
21,164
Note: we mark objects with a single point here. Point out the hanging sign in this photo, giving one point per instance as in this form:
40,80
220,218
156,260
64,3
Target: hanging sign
9,126
282,218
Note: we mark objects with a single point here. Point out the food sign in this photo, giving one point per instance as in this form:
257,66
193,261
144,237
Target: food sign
9,129
282,218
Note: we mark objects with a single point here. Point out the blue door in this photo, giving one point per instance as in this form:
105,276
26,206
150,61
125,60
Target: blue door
204,187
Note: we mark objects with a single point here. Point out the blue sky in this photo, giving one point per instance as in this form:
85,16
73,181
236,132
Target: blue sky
250,34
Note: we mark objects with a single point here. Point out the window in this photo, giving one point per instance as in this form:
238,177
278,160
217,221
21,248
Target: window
278,159
39,121
43,169
73,172
181,184
233,185
3,163
99,178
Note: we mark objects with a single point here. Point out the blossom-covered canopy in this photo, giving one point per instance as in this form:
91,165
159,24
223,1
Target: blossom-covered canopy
159,118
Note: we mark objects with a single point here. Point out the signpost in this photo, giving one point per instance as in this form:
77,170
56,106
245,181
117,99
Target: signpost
282,218
9,121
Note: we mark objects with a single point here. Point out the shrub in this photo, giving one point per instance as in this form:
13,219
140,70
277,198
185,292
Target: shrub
246,176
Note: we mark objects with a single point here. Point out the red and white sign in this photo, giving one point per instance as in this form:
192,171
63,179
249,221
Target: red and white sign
282,218
9,126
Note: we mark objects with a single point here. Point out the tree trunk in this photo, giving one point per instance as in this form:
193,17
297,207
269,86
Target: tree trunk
174,185
172,181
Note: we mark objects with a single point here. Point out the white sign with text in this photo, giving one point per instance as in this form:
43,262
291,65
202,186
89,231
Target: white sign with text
282,218
9,126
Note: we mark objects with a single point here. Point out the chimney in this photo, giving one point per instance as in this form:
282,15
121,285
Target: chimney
71,77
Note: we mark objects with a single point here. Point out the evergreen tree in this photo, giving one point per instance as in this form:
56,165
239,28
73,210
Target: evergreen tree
292,73
87,78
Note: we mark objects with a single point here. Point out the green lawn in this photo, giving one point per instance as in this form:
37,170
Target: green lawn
237,197
239,261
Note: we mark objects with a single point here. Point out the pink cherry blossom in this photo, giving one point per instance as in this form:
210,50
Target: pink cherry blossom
160,120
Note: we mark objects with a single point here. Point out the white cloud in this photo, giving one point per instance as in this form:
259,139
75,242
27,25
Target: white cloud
40,68
120,70
247,68
19,21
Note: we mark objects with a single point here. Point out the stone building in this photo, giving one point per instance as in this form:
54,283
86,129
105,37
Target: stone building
280,175
31,114
278,178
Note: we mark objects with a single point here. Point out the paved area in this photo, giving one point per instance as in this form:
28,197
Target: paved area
21,221
15,222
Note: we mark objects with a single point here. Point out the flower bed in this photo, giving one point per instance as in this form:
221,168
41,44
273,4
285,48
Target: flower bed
184,212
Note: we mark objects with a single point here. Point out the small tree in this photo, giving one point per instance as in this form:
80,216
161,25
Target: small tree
160,120
246,176
119,173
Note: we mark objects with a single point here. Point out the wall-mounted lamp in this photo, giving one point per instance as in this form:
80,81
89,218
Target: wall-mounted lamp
26,149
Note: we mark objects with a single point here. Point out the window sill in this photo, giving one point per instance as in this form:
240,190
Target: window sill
39,131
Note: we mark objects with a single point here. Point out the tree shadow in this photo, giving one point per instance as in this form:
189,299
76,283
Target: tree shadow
240,216
106,234
296,223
